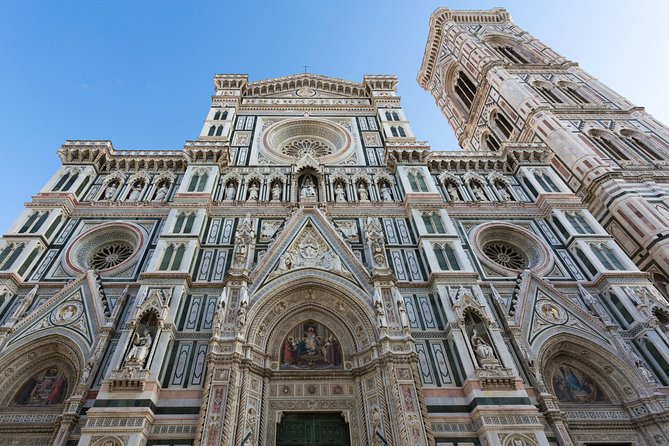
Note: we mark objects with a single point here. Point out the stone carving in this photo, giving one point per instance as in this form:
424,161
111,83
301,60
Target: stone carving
253,192
161,193
309,250
375,241
478,191
230,192
111,189
276,193
340,194
348,228
244,242
23,307
268,230
241,315
308,189
385,193
220,314
363,195
141,346
136,191
484,352
404,319
453,194
381,321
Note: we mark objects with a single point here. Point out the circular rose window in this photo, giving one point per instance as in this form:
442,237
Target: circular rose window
290,140
509,249
110,255
110,248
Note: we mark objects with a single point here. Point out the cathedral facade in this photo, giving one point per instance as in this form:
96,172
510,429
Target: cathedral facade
308,272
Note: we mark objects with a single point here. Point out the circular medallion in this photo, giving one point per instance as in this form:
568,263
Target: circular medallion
66,313
306,92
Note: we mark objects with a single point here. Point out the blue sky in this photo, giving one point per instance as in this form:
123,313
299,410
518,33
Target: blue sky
139,73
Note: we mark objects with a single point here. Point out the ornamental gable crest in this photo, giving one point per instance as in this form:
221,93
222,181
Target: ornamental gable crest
80,307
310,250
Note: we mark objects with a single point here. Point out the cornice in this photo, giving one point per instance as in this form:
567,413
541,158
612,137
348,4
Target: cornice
509,159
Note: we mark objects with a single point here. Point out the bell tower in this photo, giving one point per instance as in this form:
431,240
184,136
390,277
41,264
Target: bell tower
500,87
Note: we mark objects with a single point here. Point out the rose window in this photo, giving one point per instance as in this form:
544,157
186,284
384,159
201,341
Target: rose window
300,147
110,255
505,255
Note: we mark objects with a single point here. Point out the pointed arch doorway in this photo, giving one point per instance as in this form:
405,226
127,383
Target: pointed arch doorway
313,429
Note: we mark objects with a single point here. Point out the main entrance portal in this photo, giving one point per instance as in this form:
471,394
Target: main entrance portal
312,429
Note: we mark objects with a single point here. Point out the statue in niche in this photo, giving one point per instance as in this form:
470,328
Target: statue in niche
241,315
374,236
340,194
141,346
453,194
385,193
253,192
502,191
478,191
230,191
87,371
47,387
161,193
381,321
404,319
276,192
481,348
363,195
136,191
311,345
111,189
308,188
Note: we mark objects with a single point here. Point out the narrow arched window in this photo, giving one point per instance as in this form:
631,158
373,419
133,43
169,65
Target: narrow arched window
549,95
586,261
219,130
401,131
574,95
465,90
393,131
396,117
511,54
202,181
38,224
606,144
193,182
189,223
178,257
12,258
179,223
212,130
29,222
389,117
503,124
71,181
421,182
446,257
491,143
167,258
217,115
639,145
6,252
578,222
61,182
224,115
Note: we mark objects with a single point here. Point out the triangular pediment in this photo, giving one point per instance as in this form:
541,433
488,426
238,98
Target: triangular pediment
79,308
309,240
541,311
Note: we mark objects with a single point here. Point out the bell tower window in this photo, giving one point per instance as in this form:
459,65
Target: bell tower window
465,89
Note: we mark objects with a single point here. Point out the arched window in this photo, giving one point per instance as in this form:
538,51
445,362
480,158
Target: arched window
433,223
465,90
61,182
172,258
198,181
389,117
70,182
446,257
401,131
548,94
491,143
416,181
608,146
224,115
511,54
219,130
545,181
29,222
640,144
395,116
212,130
202,182
11,253
586,261
190,220
573,94
606,255
179,223
503,124
579,223
393,131
217,115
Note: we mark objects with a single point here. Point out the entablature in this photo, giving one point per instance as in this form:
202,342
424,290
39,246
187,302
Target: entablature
508,160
